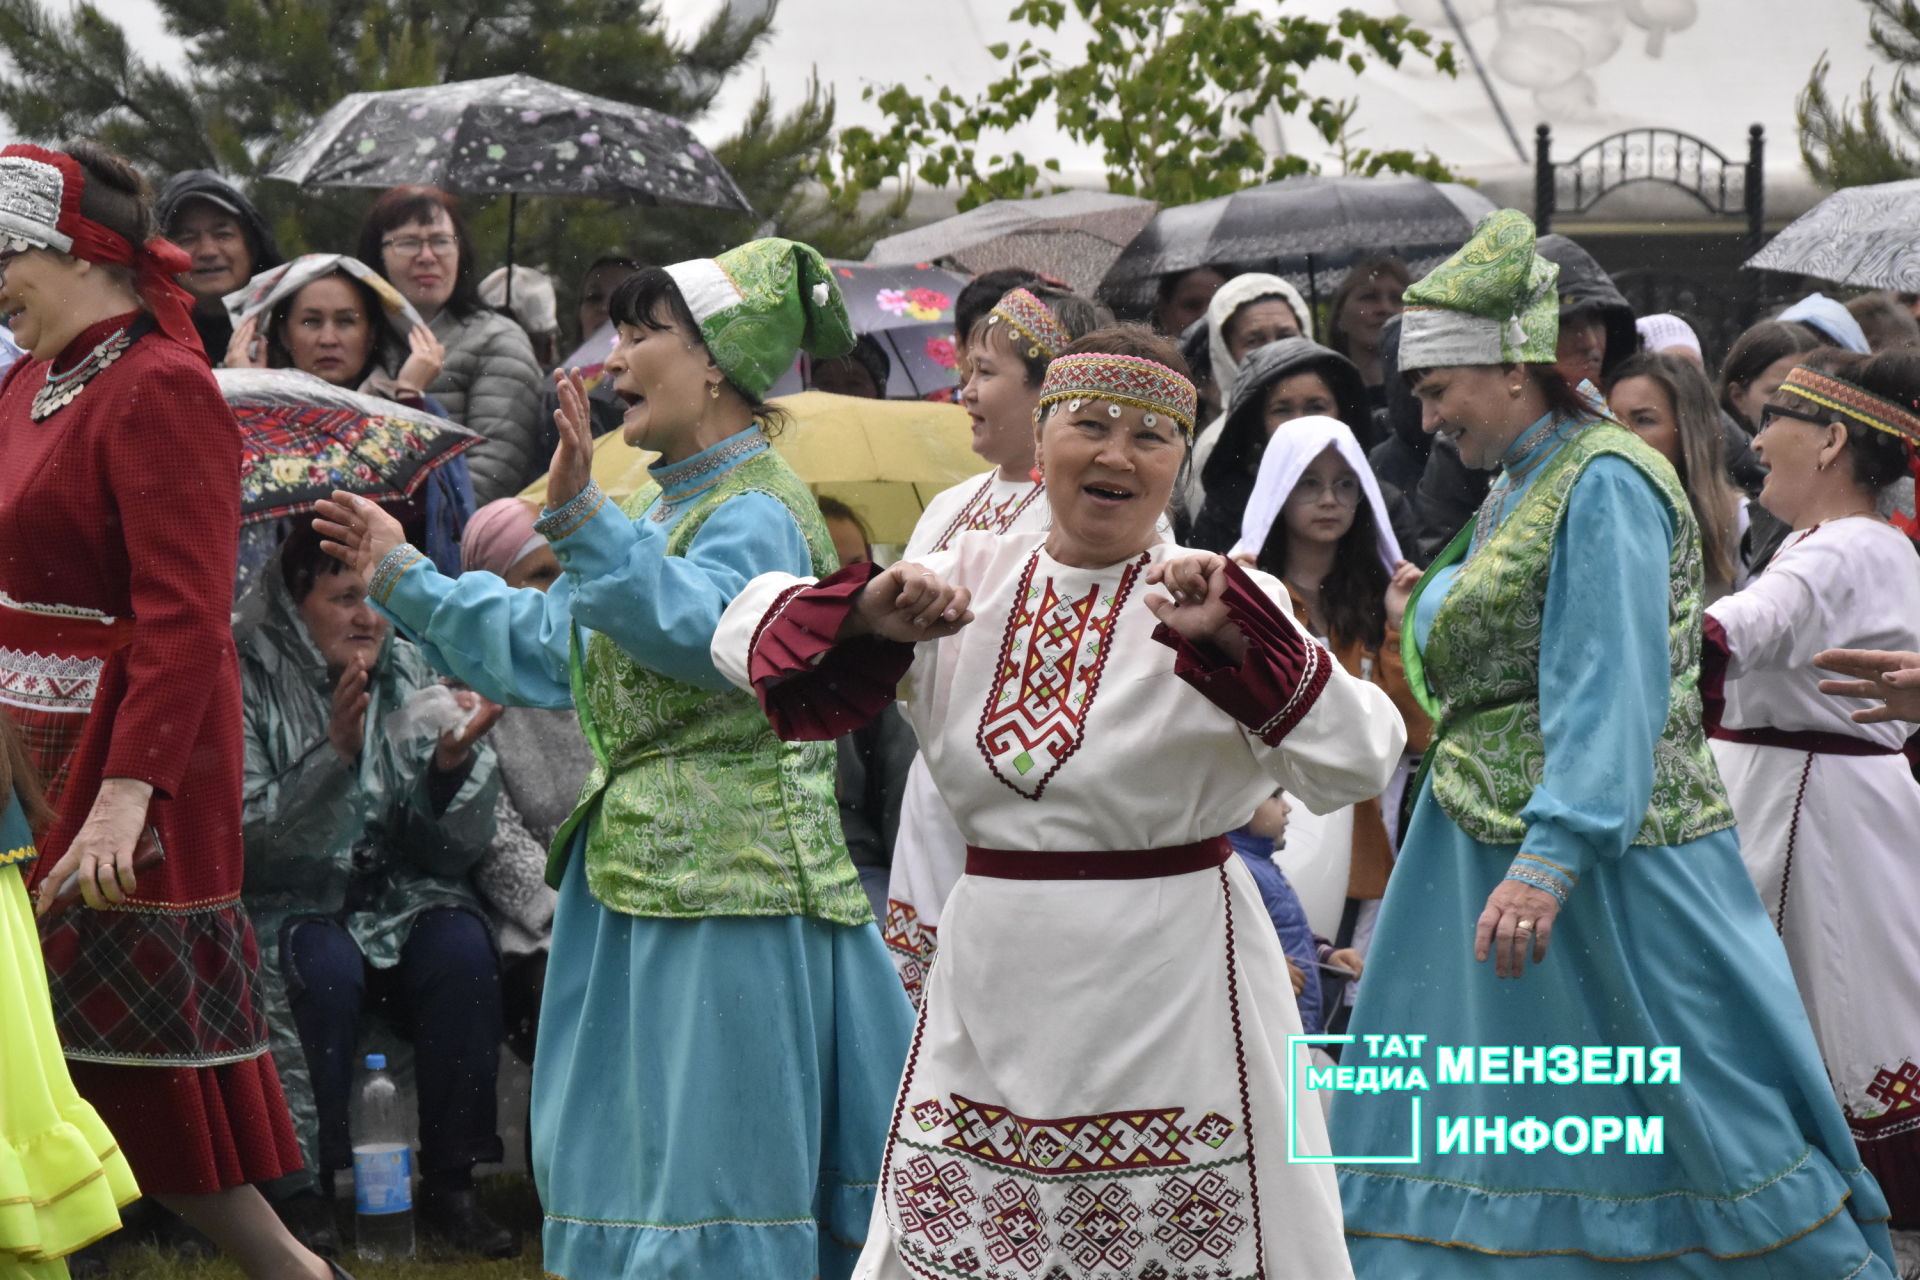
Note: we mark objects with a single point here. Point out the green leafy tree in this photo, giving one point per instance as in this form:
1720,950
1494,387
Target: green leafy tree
259,72
1877,138
1168,90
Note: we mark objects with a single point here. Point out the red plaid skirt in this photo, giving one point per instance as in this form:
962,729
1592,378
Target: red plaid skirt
154,1004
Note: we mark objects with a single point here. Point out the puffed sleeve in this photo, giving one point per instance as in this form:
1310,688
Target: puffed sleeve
661,610
1329,738
173,463
510,645
1604,675
1763,626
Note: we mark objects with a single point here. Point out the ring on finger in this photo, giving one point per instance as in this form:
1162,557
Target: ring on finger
1525,926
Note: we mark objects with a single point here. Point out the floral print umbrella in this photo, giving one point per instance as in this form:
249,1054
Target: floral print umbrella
509,135
303,437
909,311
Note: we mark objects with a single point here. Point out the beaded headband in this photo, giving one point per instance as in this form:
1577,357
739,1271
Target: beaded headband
1857,403
1144,384
1031,323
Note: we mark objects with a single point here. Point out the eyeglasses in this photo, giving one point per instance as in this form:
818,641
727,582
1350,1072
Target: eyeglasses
1346,490
1769,412
407,246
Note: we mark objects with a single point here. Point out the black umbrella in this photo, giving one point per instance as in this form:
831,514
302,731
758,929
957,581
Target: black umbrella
1309,229
512,136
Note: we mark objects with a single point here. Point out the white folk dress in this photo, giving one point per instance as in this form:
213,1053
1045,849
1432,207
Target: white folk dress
928,853
1829,836
1097,1084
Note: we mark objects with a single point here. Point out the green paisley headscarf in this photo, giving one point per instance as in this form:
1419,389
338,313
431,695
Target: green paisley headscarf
761,304
1494,302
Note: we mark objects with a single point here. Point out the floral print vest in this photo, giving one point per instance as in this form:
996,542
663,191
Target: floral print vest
693,807
1482,662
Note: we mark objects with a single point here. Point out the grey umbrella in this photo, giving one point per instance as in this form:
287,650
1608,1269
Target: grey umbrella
1309,229
1073,237
511,136
1866,236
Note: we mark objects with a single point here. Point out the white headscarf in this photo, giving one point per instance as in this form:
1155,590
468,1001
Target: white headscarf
1229,298
1289,453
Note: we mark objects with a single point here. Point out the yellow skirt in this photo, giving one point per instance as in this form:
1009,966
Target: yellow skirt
62,1177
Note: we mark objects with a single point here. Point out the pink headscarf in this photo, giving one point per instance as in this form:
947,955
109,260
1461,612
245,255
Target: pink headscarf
499,536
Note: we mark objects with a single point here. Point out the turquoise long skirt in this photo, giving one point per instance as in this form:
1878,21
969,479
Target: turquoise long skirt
711,1097
1758,1176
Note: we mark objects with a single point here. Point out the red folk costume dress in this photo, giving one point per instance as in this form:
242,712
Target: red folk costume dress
119,514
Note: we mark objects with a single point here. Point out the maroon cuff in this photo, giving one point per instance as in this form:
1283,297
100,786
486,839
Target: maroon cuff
1281,677
1715,653
813,686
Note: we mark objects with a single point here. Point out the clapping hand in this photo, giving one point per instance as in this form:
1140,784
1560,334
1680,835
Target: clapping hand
1195,603
572,467
1893,678
356,532
908,603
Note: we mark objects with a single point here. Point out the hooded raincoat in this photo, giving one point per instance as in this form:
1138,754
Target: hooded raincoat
214,325
365,844
1226,474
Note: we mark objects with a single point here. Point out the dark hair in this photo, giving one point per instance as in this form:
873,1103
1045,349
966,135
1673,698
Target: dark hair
982,293
867,355
641,298
384,351
1354,594
116,197
1077,315
1755,351
1884,321
18,779
303,563
1563,400
397,207
1129,339
612,260
1383,264
834,509
1169,284
1703,454
1878,458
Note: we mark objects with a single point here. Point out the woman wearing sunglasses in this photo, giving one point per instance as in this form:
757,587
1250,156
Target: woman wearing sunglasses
1827,806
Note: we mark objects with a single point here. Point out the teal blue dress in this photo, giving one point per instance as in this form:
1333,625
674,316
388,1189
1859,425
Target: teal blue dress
1656,946
711,1095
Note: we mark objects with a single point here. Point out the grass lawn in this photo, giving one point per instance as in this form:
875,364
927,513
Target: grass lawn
508,1198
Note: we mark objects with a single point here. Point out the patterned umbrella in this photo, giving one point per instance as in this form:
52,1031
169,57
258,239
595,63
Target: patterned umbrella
509,135
1074,236
908,309
1308,229
1866,236
304,438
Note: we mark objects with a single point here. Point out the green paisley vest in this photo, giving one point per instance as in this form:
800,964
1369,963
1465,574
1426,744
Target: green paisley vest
1481,665
694,808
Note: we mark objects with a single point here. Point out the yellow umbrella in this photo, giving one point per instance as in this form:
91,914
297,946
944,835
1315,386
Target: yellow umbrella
883,458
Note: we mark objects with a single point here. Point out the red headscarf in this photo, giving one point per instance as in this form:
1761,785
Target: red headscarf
40,207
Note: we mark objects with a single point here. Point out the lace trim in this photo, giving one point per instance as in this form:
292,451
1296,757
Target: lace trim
49,681
56,610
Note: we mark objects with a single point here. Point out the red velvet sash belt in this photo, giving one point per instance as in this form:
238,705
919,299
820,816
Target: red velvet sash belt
1104,864
1829,744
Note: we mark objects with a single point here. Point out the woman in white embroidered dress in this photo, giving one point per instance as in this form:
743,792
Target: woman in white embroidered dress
1008,352
1098,1080
1827,806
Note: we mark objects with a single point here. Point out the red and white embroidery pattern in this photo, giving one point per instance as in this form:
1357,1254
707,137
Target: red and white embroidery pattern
982,512
1107,1193
912,944
1051,658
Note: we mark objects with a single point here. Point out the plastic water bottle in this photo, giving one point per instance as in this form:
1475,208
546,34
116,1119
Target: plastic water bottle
382,1168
